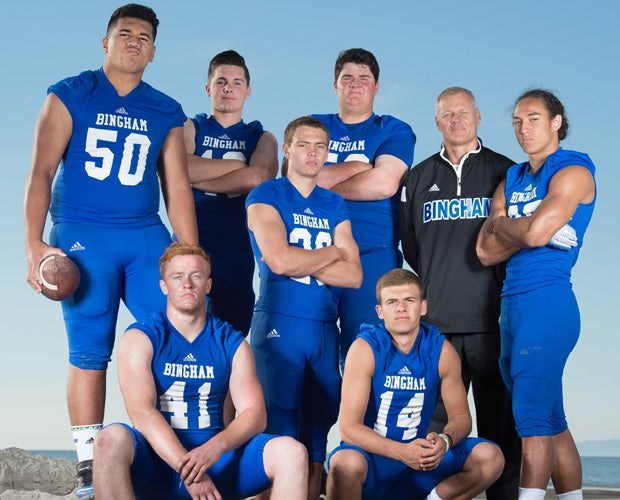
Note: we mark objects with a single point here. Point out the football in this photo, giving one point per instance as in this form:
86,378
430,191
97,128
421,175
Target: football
60,277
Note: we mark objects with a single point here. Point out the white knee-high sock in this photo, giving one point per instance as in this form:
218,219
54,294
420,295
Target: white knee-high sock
571,495
433,495
83,439
531,494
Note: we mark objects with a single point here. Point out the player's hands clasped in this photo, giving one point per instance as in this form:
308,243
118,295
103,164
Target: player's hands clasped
425,454
565,238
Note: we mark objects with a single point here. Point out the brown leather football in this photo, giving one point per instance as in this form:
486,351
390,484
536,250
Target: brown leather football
60,277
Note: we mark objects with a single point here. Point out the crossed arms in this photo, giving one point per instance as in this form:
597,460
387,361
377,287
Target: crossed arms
501,237
337,264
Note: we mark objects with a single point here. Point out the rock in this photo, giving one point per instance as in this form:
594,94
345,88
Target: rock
23,475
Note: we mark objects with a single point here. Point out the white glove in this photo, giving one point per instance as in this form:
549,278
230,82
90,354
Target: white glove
564,239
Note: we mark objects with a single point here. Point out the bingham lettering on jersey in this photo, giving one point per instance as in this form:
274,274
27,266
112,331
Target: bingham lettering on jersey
523,197
122,121
343,147
188,371
310,221
458,208
217,143
405,382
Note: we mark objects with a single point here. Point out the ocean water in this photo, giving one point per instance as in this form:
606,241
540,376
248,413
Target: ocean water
602,472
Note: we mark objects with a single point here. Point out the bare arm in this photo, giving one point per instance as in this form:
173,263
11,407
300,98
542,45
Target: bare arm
453,394
341,172
345,273
282,258
490,247
204,169
454,397
568,188
172,170
377,183
135,353
247,397
51,135
263,165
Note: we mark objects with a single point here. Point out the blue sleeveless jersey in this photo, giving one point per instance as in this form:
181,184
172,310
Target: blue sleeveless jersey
532,268
310,224
191,379
108,172
221,217
404,386
374,223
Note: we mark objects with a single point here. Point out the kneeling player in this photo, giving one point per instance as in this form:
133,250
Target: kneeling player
393,374
174,373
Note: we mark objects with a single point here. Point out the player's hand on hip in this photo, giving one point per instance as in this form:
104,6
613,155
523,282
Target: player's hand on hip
565,238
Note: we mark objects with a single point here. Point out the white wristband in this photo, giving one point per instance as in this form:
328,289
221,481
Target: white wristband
446,440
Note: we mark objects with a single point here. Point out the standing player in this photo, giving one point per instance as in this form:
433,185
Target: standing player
117,140
301,236
368,155
539,216
227,158
445,199
175,371
392,377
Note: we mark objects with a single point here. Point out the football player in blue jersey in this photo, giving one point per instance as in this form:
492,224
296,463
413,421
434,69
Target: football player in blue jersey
113,140
445,199
368,156
538,219
302,240
175,370
227,158
393,374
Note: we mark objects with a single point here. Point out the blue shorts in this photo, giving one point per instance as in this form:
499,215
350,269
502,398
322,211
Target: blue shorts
539,329
297,365
237,474
391,479
357,306
114,264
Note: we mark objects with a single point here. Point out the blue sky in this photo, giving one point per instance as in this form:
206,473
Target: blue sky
497,49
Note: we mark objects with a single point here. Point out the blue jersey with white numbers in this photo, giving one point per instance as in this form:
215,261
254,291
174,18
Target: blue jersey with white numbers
532,268
191,378
310,223
221,217
108,173
374,223
404,387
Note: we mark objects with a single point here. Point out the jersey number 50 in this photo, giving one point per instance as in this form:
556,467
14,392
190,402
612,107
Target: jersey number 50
101,172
